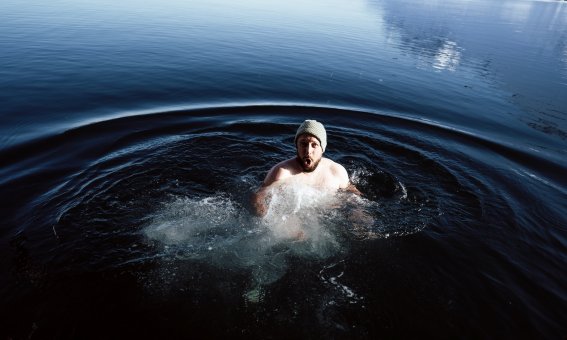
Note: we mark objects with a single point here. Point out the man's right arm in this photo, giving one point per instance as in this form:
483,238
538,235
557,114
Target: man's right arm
260,201
260,197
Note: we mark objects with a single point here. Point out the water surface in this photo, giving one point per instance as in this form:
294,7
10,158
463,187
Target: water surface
132,136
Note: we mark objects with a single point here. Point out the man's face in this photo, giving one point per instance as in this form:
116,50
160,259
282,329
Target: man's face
309,152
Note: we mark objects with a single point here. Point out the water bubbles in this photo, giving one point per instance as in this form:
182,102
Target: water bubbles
188,220
219,232
332,275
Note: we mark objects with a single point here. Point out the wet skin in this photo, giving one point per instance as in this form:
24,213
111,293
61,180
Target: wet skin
309,167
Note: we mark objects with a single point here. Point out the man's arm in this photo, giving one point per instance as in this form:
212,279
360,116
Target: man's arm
259,201
352,188
345,183
260,197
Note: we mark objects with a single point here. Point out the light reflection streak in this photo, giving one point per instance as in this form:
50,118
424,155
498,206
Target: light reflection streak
516,11
564,69
448,56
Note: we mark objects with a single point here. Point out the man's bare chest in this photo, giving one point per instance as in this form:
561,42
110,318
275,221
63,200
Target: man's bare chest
320,180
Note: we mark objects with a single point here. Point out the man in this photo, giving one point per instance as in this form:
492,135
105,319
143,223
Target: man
309,167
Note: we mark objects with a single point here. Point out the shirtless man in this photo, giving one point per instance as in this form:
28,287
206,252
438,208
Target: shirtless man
309,167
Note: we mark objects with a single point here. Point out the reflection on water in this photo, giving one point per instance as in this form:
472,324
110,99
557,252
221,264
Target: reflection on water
517,48
133,58
564,80
448,56
517,11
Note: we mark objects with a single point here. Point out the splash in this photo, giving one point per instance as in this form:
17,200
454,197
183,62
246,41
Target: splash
198,223
222,233
301,222
303,213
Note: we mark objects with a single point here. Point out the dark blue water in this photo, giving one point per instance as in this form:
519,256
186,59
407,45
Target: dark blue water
133,134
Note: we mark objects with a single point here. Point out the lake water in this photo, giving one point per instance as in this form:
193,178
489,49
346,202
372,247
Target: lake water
132,135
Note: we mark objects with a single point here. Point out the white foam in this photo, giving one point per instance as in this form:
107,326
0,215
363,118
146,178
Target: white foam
223,233
186,220
299,211
301,221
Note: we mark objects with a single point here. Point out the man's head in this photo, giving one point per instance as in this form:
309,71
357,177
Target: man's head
315,129
310,141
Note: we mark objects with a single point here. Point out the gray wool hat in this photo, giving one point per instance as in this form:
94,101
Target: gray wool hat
314,128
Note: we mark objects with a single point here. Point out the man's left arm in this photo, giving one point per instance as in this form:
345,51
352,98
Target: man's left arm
345,183
352,188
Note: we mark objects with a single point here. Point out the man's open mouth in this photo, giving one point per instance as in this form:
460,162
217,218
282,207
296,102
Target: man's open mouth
308,164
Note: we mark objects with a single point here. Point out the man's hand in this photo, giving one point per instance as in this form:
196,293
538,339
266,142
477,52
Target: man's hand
259,202
353,189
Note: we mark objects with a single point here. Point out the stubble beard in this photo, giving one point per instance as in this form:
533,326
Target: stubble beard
308,168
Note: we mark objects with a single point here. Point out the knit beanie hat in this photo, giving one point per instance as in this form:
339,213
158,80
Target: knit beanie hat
314,128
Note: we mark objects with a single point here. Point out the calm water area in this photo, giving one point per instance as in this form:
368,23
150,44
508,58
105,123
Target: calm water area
132,135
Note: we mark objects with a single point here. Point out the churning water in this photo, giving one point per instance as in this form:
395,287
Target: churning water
134,135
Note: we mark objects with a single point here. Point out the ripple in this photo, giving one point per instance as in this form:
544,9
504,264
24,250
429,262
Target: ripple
166,196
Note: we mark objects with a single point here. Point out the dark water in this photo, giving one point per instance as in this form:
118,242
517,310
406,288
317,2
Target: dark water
132,135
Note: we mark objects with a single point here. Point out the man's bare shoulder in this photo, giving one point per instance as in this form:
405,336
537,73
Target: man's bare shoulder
334,167
339,172
281,171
